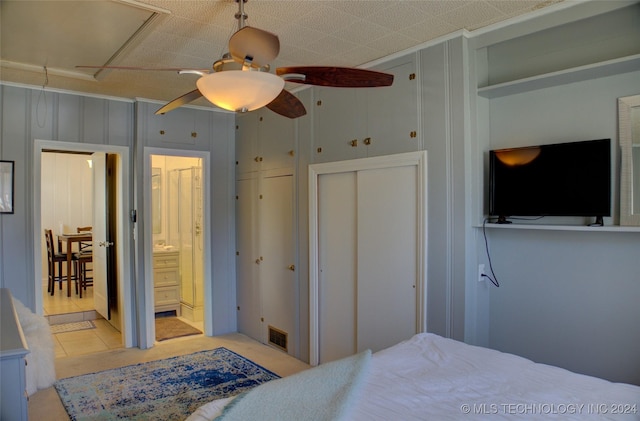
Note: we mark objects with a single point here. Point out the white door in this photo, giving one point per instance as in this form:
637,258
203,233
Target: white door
337,225
368,245
278,288
387,267
247,259
99,227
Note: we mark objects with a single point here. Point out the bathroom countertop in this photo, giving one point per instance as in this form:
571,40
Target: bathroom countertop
164,250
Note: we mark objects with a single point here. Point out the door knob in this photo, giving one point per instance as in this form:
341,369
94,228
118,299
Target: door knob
105,243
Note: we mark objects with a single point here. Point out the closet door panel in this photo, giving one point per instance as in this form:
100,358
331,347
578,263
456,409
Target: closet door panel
386,256
338,119
278,287
248,288
276,136
247,143
391,112
337,238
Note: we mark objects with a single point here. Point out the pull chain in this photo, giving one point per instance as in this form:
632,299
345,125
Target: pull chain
42,100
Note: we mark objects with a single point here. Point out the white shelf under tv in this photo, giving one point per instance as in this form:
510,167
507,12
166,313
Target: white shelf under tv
584,228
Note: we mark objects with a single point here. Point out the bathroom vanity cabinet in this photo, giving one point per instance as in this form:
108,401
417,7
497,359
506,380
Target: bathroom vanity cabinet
166,281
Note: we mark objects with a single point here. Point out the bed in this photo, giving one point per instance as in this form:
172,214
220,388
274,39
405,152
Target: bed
431,377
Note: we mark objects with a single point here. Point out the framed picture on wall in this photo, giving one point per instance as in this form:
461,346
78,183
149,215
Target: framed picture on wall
6,186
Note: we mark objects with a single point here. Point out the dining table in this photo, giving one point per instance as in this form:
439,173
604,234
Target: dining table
69,239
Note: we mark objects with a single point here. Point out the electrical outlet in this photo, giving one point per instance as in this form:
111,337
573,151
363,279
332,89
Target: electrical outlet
481,273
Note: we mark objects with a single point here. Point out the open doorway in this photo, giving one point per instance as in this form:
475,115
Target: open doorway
178,242
66,199
66,204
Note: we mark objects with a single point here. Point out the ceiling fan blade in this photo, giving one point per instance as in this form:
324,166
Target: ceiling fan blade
260,46
180,101
162,69
340,77
287,105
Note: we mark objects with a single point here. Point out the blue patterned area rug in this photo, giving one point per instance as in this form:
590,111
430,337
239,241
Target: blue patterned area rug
169,389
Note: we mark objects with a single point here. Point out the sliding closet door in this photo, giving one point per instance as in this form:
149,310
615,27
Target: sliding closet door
387,267
337,237
367,277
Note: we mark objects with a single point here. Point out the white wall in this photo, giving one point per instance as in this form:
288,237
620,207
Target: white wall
566,298
188,129
67,118
101,121
66,195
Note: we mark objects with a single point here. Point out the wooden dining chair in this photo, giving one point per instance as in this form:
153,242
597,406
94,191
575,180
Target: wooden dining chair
55,259
84,258
84,245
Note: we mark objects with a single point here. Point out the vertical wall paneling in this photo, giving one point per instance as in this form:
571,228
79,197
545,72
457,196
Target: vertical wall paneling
459,116
443,123
34,119
70,118
476,294
95,120
221,292
119,123
566,294
43,113
16,227
266,227
304,153
187,132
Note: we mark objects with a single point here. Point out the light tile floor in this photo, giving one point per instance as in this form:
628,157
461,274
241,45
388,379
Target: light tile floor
62,309
82,342
59,303
59,308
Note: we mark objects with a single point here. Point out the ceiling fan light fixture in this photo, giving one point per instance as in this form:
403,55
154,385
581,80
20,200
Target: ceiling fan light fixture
240,90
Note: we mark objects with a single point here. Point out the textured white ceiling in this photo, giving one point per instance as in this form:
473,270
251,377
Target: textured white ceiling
63,34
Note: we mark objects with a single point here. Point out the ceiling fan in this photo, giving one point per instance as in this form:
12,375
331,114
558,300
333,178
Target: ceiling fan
240,81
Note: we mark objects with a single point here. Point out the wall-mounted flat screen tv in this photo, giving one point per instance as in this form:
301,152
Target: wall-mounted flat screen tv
564,179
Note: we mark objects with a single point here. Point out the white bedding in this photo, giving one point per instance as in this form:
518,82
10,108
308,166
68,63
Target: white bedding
430,377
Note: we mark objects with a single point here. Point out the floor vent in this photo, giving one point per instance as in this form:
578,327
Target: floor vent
278,338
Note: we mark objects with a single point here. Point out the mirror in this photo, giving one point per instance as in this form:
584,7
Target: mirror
629,136
156,199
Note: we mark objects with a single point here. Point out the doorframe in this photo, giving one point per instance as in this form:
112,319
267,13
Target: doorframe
148,237
125,298
418,159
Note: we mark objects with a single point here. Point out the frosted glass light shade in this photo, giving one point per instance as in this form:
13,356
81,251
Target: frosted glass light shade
240,90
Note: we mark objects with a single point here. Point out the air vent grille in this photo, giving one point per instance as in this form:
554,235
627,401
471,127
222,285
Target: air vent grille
278,338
